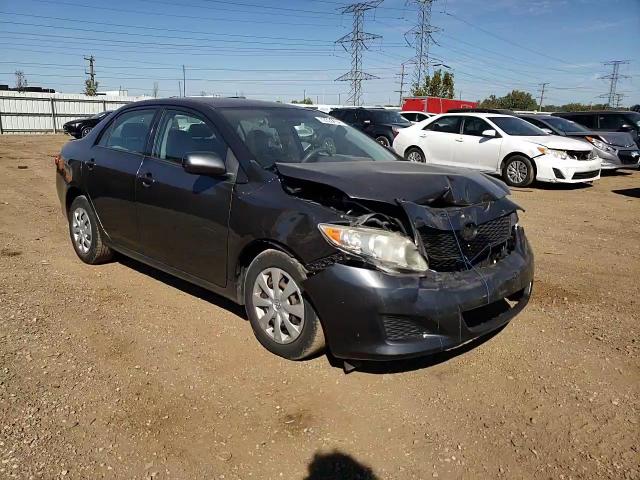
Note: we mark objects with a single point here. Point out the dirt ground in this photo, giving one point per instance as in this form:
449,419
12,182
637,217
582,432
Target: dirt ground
119,371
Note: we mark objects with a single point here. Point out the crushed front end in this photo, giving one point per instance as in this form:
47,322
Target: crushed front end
480,275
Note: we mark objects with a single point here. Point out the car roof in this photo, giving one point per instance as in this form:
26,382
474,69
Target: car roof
212,102
534,115
415,111
474,114
589,112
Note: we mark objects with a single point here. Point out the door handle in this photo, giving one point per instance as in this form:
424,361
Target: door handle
147,179
91,163
422,135
459,140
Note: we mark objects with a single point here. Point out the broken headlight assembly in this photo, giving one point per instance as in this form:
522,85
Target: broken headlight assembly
600,145
389,251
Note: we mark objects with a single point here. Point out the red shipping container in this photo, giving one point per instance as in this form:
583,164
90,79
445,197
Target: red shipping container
434,104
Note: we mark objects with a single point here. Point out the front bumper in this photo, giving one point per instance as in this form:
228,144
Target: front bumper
552,169
371,315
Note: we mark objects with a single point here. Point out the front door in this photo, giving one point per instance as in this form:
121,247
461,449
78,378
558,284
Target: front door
184,217
475,150
438,139
110,174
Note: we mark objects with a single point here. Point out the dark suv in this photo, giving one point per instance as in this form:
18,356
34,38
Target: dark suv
607,121
381,124
349,245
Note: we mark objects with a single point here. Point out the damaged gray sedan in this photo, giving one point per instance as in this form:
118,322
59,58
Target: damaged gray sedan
325,236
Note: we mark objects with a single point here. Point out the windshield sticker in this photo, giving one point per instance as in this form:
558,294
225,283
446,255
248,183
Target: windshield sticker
330,121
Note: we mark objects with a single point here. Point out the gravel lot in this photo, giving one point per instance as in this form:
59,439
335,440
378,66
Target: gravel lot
119,371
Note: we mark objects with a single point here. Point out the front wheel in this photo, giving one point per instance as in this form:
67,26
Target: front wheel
518,171
384,141
282,319
85,131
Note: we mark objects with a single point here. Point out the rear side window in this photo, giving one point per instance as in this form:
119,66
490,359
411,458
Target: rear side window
410,116
588,121
181,133
348,116
129,131
445,124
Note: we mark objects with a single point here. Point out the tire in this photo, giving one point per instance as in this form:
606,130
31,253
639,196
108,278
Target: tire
518,171
300,335
414,154
384,141
86,236
85,131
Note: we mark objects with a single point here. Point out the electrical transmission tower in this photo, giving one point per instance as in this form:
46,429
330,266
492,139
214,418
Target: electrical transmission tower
612,97
401,76
357,42
91,86
420,37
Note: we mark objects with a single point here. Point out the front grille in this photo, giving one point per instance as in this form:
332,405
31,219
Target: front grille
402,328
579,154
444,252
585,175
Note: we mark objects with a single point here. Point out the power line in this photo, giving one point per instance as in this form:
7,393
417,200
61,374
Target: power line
357,40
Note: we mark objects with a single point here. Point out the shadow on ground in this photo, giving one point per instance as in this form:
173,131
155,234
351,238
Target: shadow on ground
338,466
183,286
628,192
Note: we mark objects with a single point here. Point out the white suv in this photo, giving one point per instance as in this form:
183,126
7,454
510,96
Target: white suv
501,144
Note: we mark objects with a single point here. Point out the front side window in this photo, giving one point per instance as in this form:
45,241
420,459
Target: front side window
475,126
293,135
410,116
129,131
517,127
181,133
612,121
387,116
445,124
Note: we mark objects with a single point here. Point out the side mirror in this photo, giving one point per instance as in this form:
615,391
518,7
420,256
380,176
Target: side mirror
490,133
204,163
626,127
547,130
366,122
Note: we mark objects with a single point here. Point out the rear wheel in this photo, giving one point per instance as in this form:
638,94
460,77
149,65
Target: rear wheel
282,319
414,154
518,171
384,141
85,131
86,236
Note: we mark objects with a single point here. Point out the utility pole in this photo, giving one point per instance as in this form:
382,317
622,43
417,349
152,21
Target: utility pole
184,82
613,78
179,88
542,87
420,37
91,86
357,41
402,74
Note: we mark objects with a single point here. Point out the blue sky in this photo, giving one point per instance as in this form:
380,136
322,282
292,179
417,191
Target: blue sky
278,50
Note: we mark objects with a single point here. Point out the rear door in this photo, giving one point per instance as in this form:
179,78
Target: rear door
438,139
184,217
111,172
476,151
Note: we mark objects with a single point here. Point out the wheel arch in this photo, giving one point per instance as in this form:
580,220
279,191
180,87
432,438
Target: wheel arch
514,154
248,253
72,193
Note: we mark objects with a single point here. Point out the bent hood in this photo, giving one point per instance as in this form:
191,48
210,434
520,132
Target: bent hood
399,180
557,142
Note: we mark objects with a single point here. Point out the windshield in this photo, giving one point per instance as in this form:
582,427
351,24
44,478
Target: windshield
565,125
389,116
517,127
100,115
295,135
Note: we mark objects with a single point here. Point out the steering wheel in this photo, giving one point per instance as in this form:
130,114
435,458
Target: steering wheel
313,152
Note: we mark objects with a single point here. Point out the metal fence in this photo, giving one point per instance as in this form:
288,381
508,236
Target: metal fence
47,112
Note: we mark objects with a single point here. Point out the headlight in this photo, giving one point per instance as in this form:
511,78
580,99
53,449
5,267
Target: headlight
600,145
389,251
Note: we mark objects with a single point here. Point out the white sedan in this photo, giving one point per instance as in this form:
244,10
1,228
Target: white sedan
501,144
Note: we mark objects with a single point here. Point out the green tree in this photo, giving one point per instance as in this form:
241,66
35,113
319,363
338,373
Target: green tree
447,86
90,87
514,100
306,101
435,85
